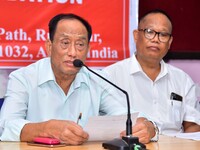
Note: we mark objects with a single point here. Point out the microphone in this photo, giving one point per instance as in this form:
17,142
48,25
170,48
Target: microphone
127,142
79,63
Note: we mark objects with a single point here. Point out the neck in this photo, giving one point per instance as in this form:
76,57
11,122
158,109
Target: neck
151,68
65,82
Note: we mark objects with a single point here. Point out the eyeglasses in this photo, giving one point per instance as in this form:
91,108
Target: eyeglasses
150,34
79,45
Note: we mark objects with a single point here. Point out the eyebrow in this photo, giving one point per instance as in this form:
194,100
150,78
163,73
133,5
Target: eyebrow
79,36
163,30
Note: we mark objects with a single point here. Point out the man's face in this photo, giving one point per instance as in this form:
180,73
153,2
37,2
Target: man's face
70,43
152,49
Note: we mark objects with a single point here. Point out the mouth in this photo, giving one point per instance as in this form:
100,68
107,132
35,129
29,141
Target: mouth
69,63
153,48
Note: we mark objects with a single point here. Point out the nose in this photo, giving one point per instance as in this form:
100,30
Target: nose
156,38
72,50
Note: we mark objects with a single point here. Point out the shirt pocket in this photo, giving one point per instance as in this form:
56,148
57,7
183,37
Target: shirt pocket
176,111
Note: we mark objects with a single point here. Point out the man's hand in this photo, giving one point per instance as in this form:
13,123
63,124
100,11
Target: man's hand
190,127
143,129
66,131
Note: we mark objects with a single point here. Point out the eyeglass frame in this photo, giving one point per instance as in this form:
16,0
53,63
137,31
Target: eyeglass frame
155,33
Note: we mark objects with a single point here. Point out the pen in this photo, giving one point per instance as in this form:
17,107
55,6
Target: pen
79,117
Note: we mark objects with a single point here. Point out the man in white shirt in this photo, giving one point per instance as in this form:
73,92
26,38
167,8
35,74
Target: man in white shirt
45,98
165,93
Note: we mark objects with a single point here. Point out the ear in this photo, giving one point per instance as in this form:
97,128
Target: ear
135,35
88,48
170,42
48,45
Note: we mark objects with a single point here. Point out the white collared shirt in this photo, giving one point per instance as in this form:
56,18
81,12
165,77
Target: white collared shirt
153,97
34,96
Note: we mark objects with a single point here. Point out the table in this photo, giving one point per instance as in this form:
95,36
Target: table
165,143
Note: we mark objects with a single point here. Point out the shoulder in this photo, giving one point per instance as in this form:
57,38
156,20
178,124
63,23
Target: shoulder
30,71
119,66
178,74
93,74
176,71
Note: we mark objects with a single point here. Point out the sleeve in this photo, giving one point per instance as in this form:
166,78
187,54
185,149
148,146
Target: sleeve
191,113
13,111
114,101
11,129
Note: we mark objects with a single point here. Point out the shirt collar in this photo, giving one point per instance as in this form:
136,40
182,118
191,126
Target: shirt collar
136,67
163,70
45,71
81,77
46,74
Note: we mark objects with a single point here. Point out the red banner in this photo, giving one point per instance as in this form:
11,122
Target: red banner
24,29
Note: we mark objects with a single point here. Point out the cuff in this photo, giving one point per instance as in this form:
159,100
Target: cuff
156,137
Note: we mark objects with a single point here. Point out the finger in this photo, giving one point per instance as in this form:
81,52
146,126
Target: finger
70,138
143,140
73,134
70,141
123,133
139,126
77,130
140,134
143,135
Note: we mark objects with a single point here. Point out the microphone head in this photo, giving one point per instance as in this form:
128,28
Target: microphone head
78,63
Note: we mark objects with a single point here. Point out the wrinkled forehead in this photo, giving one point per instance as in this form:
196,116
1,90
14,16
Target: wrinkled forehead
71,28
78,36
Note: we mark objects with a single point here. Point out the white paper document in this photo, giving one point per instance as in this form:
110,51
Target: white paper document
192,136
101,128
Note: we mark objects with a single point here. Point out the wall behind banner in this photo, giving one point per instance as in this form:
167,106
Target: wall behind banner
23,30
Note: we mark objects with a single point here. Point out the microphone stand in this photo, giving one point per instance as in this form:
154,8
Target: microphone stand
127,142
128,122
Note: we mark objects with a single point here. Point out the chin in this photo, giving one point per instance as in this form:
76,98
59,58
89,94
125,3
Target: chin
72,71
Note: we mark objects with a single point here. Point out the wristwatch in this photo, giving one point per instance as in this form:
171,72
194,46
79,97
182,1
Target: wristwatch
156,137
